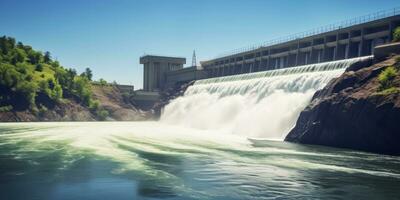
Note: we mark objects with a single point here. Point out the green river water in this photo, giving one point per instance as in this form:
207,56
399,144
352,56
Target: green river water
152,160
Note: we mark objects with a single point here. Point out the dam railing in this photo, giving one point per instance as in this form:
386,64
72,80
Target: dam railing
323,29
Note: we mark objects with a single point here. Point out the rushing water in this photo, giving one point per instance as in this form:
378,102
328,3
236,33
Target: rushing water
150,160
263,104
200,149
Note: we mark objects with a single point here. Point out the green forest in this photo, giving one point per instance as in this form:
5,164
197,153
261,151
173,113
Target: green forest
32,80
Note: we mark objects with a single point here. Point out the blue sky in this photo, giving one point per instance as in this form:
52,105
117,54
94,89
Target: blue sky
109,36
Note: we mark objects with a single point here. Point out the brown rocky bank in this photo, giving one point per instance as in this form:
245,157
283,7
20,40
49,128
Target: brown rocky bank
350,113
110,98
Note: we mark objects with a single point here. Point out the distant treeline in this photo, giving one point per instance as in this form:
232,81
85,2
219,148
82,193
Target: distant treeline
31,79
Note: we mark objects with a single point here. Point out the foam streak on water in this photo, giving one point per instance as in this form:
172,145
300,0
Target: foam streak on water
262,104
151,160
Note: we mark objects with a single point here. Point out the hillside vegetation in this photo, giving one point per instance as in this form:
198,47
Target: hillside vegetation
32,82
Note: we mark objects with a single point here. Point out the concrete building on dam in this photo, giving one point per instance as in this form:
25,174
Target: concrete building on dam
348,39
339,42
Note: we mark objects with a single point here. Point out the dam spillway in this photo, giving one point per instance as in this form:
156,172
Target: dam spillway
262,104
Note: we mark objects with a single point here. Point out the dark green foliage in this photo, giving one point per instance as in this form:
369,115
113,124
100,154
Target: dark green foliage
29,79
39,67
103,82
47,57
34,57
88,74
396,35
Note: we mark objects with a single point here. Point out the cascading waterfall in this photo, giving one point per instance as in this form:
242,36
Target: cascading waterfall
262,104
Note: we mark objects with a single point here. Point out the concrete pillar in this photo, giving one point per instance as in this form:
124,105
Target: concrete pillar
149,79
243,64
311,52
348,46
335,54
152,76
145,76
391,27
297,54
361,45
323,51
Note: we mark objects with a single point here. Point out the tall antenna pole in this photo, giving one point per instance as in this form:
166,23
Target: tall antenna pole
194,62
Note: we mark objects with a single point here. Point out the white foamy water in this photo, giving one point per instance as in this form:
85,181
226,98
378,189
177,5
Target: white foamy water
262,104
152,160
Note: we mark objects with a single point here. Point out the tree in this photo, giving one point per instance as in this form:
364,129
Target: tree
103,82
18,56
27,75
34,57
39,67
47,57
82,89
87,73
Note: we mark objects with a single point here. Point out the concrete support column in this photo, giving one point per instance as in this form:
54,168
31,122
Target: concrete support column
150,77
297,54
312,51
323,51
391,27
243,64
361,45
335,54
145,77
347,50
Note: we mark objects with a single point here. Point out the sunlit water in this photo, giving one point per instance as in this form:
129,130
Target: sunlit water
151,160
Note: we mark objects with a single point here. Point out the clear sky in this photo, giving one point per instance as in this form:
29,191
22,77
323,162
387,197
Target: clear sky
109,36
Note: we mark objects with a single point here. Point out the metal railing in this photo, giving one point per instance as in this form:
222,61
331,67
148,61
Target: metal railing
159,55
331,27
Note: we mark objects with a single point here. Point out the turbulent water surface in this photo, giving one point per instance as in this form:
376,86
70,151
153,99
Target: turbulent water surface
202,148
150,160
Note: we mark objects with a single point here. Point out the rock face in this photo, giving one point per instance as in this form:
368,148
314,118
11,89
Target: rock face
169,94
66,111
109,97
350,113
118,106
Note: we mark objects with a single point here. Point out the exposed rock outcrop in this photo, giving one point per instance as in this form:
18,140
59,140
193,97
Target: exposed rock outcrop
120,108
350,113
169,94
110,99
65,111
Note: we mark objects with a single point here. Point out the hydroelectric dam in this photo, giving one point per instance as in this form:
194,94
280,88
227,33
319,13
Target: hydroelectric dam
260,104
260,91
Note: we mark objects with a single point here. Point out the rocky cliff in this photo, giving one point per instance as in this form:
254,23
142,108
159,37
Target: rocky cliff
110,98
353,112
170,94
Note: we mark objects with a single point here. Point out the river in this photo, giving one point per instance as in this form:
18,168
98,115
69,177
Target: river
153,160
